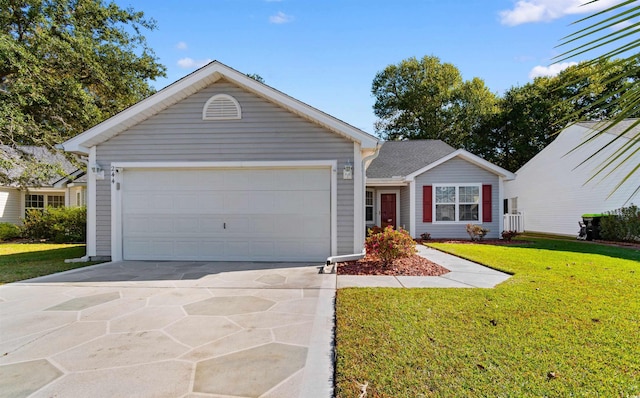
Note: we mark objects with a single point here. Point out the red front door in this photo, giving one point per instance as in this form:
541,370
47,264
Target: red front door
388,210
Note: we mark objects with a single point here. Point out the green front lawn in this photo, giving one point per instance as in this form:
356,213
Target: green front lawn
20,261
566,324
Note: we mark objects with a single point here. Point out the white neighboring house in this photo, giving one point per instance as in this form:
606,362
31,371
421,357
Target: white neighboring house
61,190
551,190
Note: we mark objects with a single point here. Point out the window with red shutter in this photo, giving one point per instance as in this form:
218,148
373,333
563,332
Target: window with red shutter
427,194
486,203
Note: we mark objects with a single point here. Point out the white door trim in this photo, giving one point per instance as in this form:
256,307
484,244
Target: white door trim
378,204
117,168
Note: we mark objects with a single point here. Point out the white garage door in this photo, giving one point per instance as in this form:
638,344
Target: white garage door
226,214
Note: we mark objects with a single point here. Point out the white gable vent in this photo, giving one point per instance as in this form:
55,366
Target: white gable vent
221,107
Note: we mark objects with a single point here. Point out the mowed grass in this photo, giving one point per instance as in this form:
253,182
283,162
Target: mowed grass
20,261
566,324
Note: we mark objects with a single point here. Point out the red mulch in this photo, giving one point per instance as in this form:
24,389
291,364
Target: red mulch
410,266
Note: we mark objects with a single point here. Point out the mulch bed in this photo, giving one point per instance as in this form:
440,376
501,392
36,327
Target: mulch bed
477,242
410,266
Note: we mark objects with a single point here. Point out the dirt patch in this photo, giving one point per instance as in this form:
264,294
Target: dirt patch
410,266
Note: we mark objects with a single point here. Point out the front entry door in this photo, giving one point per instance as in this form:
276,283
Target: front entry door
388,210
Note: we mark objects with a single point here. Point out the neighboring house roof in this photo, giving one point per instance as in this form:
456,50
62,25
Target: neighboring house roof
407,159
196,81
42,156
618,129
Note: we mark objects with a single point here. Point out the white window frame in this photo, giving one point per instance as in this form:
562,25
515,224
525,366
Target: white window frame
372,206
457,203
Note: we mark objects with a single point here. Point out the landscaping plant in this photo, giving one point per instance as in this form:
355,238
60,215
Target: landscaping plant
476,232
390,244
621,224
60,225
508,235
9,231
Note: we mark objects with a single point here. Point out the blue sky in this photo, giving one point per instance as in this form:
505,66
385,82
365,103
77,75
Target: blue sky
326,53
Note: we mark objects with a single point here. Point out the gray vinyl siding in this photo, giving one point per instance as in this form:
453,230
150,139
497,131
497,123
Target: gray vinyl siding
457,171
405,210
266,132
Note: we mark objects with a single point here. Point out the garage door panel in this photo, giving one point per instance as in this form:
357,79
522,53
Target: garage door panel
227,214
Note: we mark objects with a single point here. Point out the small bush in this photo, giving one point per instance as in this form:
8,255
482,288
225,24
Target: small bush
621,225
60,225
374,230
9,231
476,232
390,244
425,236
508,235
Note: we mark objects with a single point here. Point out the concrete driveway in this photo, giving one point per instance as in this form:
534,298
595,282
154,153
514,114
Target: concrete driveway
169,329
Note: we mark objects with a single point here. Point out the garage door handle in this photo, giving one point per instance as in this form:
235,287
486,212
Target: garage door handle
224,225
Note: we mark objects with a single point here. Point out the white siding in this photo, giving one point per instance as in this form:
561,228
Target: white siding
265,132
10,205
457,171
551,188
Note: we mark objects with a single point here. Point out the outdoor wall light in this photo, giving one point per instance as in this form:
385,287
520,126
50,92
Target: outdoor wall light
347,173
97,171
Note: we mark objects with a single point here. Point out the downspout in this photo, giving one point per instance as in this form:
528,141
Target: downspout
329,267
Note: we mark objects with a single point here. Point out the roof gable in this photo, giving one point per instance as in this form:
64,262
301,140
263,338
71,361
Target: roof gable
409,159
400,158
196,81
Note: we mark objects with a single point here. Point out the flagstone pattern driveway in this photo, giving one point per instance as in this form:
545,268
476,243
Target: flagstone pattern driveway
169,329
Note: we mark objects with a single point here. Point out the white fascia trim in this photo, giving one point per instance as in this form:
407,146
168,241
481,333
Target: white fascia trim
116,192
412,209
358,198
471,158
387,182
91,207
500,206
379,193
214,71
232,164
44,190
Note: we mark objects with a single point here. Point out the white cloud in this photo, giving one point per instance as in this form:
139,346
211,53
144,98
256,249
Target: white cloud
525,11
188,63
550,70
280,18
181,45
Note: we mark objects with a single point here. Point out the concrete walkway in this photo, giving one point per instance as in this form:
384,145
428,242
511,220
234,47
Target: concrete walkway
169,329
463,273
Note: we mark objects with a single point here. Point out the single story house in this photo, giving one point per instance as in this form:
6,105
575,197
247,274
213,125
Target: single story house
218,166
551,191
64,188
429,186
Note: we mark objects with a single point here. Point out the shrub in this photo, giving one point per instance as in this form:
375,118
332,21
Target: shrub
476,232
390,244
425,236
9,231
621,224
61,225
508,235
374,230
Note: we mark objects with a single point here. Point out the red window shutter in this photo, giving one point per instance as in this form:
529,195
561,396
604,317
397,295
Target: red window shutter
427,203
486,203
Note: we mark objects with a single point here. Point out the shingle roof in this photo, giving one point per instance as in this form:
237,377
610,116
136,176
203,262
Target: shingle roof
41,155
400,158
615,130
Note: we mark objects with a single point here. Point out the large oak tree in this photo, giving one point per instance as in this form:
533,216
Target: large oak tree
66,65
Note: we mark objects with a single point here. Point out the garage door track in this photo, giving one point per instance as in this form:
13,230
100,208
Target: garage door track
169,329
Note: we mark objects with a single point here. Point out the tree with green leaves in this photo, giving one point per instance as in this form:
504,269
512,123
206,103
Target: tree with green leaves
530,116
428,99
613,33
66,65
